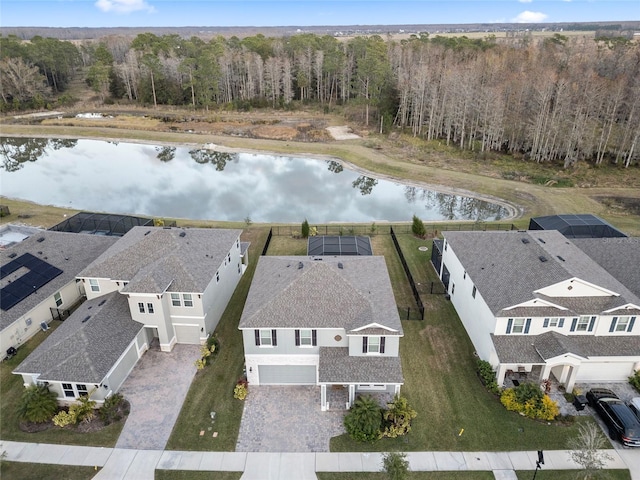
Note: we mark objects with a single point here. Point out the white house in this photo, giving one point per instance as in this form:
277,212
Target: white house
168,285
38,278
533,302
326,321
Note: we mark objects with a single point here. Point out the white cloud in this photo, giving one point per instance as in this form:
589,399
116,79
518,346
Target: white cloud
124,6
525,1
529,17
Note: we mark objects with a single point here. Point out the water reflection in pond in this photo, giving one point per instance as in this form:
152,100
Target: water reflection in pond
163,181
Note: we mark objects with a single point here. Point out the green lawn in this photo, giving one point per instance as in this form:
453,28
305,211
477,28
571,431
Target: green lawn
571,474
192,475
441,384
44,471
410,476
10,393
212,388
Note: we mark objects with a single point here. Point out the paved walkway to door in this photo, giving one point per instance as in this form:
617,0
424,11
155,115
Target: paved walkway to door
156,389
286,419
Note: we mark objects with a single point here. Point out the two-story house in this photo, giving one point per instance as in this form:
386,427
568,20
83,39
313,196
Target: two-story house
325,321
169,285
533,302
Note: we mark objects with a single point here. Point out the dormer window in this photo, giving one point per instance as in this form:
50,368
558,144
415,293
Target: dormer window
95,286
622,324
373,344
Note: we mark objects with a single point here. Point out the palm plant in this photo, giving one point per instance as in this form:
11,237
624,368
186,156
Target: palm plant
364,420
37,404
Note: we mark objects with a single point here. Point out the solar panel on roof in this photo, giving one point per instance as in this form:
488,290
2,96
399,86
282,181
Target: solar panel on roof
40,273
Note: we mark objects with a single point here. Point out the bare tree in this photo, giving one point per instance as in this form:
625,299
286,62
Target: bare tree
587,450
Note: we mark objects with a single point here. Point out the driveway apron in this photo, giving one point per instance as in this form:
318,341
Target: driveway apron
286,419
156,389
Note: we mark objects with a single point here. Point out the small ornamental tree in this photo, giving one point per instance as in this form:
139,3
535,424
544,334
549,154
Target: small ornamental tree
37,404
364,420
396,465
418,227
587,451
305,229
397,418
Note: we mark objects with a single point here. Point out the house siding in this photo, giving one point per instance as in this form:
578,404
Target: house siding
19,332
391,346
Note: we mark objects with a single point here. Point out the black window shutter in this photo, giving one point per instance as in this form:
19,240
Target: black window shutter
527,325
381,344
297,338
257,338
574,322
561,323
364,344
546,323
274,338
631,322
591,323
614,320
509,323
314,338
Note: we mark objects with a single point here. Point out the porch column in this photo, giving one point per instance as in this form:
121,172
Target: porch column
352,395
500,374
566,369
571,381
323,398
396,392
546,371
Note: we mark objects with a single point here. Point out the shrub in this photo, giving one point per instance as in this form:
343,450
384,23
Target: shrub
418,227
305,229
64,418
241,390
109,412
528,399
364,420
634,380
84,410
37,404
487,376
397,418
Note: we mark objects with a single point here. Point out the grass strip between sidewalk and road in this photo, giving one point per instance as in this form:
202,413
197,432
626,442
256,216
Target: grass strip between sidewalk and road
45,471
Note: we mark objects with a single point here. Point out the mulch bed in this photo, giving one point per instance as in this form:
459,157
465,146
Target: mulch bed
94,425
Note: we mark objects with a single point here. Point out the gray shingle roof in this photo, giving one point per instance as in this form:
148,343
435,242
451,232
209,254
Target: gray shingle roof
154,259
84,351
320,294
336,366
618,256
538,348
507,271
70,252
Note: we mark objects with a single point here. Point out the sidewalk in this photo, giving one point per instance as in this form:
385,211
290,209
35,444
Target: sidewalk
126,464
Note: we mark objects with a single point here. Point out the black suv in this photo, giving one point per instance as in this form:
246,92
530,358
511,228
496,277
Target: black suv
622,423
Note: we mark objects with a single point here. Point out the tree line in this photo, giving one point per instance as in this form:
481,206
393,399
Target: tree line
557,99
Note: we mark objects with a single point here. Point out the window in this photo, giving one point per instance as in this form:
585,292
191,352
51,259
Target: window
306,338
473,292
188,300
67,388
464,275
553,322
373,344
217,277
175,300
150,307
95,286
266,338
58,298
583,324
518,325
141,307
82,389
453,288
229,257
622,324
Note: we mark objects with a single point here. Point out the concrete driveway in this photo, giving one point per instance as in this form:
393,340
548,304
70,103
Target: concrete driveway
286,419
156,389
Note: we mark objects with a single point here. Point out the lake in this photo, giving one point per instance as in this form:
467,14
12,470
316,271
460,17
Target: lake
179,182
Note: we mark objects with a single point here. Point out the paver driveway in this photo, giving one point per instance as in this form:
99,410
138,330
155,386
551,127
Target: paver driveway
156,389
286,419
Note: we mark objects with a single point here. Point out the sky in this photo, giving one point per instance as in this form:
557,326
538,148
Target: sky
162,13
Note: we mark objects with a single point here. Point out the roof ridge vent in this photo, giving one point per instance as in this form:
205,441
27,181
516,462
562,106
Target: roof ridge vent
183,233
41,239
300,265
542,258
86,319
340,265
147,232
561,258
541,240
525,240
101,303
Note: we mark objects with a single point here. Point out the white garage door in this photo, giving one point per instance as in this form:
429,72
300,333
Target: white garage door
287,374
605,372
187,334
